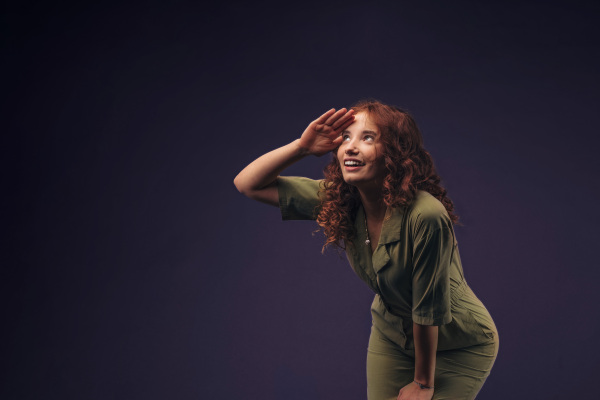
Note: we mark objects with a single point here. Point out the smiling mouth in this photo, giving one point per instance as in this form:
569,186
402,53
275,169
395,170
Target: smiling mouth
353,163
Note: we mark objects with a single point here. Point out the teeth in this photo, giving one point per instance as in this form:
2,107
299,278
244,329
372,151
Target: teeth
352,163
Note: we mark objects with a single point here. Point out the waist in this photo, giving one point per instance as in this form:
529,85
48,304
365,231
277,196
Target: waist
456,293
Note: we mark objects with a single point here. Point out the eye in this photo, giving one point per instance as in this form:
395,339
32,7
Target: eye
369,138
345,137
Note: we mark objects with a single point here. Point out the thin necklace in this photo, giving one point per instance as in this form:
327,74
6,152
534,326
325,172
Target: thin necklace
368,241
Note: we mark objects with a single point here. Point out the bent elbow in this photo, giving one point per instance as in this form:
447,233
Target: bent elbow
239,185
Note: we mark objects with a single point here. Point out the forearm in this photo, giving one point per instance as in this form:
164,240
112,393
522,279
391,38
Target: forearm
426,341
257,180
263,171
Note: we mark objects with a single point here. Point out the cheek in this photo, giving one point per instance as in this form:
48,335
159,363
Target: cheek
372,155
339,154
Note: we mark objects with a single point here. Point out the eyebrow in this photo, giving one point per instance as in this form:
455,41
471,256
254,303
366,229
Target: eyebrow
363,132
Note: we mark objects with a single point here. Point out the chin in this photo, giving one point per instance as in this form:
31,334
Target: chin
351,180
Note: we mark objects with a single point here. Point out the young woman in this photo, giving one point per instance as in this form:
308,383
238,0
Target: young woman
381,201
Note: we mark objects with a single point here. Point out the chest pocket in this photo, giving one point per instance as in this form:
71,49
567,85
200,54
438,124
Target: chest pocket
393,278
358,259
381,259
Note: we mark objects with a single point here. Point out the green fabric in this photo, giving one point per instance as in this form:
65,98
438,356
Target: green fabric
415,271
459,373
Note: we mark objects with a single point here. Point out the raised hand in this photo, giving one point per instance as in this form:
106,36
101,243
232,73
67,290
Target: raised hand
323,134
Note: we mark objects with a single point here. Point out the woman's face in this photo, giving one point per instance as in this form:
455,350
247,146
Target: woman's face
361,153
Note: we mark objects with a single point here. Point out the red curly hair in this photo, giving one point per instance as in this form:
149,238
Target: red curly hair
409,168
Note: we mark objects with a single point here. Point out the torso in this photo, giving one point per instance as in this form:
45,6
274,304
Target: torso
388,270
387,266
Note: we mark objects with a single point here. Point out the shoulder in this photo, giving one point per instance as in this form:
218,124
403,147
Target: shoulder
299,182
427,212
298,179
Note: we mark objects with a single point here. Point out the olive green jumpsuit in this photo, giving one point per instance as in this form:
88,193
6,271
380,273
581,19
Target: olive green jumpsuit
417,276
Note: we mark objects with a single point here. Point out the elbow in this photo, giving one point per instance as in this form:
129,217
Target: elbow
246,187
239,185
242,185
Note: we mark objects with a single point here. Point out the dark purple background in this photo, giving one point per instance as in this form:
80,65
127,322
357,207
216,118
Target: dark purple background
134,270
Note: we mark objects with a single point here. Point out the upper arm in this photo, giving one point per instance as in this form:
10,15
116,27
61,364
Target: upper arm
296,197
299,198
268,194
433,250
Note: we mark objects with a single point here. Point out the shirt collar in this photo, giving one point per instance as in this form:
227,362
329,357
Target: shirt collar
392,224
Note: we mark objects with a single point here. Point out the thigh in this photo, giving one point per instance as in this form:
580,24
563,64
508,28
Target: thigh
460,374
388,368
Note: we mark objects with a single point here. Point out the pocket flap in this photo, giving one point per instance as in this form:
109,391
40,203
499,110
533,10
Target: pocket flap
381,258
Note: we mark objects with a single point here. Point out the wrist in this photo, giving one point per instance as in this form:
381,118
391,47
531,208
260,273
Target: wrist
426,378
301,151
424,386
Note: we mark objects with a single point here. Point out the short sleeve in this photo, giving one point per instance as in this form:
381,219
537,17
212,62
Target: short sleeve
298,197
432,254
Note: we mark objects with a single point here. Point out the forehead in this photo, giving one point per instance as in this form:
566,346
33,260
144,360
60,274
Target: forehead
361,123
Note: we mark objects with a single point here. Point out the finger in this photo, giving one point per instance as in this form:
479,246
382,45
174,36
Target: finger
335,116
343,120
324,117
346,125
337,141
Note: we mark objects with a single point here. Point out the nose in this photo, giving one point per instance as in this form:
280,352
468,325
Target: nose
350,147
